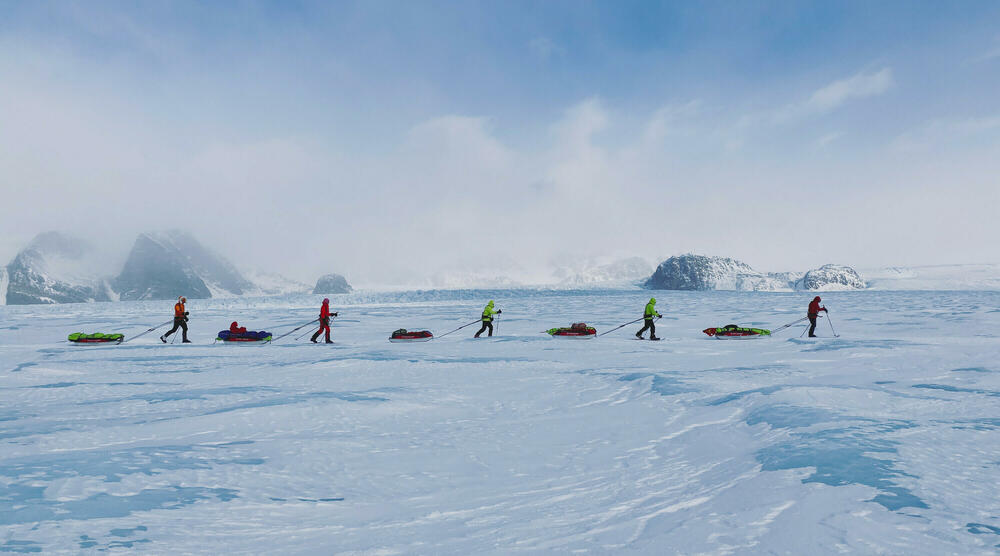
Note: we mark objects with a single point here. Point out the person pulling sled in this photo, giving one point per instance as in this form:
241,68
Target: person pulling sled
488,313
648,316
324,322
813,313
180,321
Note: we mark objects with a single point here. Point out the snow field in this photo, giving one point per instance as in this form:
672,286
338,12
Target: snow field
882,440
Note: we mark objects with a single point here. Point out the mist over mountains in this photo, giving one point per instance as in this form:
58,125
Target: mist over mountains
59,268
56,267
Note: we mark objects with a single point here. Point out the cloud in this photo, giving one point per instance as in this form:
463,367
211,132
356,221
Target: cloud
990,53
859,86
671,119
349,167
824,141
545,48
948,132
834,95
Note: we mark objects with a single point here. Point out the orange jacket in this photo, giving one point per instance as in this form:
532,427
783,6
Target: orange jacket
178,309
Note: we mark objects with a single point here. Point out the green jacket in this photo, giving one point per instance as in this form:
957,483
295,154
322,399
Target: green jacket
650,311
488,312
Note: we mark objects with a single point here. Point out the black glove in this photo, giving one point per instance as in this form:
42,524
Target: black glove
335,314
499,311
186,313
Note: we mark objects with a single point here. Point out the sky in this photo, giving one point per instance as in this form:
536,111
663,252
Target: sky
393,140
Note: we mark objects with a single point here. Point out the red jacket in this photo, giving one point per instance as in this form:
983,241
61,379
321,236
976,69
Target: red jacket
324,311
814,307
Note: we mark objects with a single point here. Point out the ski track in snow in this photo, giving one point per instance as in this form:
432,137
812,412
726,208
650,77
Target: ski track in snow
886,439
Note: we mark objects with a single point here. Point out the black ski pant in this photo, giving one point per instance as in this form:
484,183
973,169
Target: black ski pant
487,324
812,325
179,322
648,325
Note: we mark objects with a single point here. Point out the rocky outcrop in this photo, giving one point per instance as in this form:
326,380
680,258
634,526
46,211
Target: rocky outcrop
831,277
168,264
332,283
54,268
698,272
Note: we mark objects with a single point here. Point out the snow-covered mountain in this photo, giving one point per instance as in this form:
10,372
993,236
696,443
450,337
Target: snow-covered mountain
831,277
164,265
59,268
698,272
332,283
55,268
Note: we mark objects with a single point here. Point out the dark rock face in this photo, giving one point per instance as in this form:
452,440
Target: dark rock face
54,268
170,264
832,277
156,271
332,283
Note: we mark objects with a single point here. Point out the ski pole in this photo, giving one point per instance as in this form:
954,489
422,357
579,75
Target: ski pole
784,326
296,329
460,327
622,326
498,325
300,327
835,335
148,331
300,336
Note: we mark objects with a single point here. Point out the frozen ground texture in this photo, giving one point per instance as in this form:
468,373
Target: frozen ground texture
885,440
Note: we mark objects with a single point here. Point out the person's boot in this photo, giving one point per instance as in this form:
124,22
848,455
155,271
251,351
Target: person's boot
654,338
163,339
185,341
812,335
313,339
329,342
638,335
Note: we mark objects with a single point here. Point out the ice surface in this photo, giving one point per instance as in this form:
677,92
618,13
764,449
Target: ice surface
938,277
886,439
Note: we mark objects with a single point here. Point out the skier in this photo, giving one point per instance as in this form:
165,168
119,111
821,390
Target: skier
324,322
647,318
180,321
812,313
488,313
